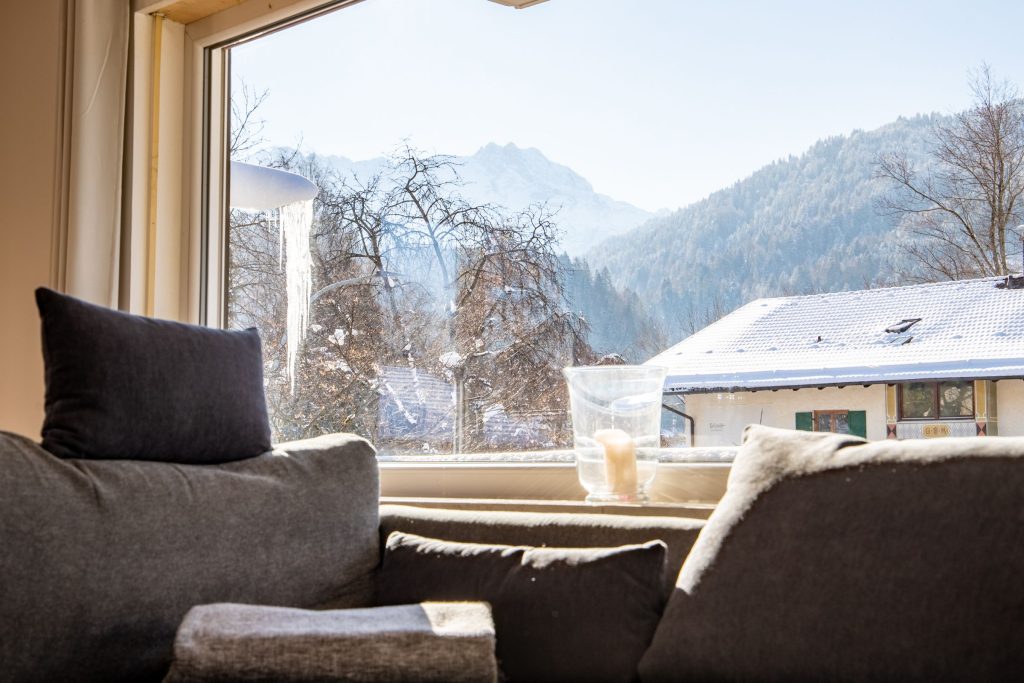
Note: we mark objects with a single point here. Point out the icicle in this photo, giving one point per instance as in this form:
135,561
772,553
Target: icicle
280,243
296,221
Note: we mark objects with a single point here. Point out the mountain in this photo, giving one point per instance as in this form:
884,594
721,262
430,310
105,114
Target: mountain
804,224
514,177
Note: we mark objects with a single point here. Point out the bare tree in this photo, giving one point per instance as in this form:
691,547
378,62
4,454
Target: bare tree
699,315
512,330
963,210
415,289
473,291
246,134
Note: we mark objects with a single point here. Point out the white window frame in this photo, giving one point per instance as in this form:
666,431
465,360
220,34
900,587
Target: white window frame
680,488
208,87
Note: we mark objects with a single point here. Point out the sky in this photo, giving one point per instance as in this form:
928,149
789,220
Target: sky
655,102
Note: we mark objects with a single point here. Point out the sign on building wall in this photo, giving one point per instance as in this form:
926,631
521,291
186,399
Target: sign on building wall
935,431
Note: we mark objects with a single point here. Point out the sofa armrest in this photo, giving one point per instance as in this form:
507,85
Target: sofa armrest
564,530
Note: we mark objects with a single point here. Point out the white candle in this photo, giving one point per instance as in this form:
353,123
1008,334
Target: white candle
619,460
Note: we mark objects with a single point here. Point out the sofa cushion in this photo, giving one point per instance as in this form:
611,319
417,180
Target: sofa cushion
831,558
125,386
559,613
101,559
443,642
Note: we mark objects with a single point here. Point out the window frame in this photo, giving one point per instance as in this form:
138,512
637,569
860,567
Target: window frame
206,91
936,405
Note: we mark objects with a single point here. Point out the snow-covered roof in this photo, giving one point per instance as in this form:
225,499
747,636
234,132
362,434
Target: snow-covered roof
966,329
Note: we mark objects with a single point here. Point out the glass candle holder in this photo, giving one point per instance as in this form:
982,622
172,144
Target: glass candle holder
616,425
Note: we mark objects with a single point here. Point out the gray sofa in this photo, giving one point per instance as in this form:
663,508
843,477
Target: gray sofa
828,558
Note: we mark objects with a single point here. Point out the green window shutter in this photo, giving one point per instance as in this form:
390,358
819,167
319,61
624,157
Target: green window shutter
805,422
858,421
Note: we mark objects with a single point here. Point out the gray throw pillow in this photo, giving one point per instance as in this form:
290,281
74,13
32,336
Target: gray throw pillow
122,386
560,614
432,642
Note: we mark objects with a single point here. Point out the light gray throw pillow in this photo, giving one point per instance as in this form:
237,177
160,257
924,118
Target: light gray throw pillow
430,642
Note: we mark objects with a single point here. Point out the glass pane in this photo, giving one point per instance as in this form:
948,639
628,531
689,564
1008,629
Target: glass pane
425,290
470,227
918,400
956,399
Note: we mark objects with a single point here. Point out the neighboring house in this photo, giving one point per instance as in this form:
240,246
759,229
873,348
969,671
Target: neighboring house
417,414
944,359
416,408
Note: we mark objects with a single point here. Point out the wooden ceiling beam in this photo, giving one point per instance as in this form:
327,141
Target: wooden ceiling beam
184,11
188,11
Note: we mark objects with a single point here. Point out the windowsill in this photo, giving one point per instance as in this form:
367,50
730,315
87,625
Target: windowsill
691,510
666,455
538,479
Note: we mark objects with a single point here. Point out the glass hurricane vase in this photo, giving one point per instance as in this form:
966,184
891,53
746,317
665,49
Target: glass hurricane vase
616,424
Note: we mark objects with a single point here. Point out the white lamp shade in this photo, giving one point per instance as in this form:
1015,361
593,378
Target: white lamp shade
259,188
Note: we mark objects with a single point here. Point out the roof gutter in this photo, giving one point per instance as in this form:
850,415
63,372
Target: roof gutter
732,389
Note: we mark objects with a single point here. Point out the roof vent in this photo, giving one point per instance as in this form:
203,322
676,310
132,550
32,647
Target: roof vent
1011,282
902,326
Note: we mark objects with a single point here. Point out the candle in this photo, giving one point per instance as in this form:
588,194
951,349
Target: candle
619,460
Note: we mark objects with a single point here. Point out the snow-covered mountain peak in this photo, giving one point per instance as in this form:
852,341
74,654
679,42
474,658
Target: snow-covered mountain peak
516,177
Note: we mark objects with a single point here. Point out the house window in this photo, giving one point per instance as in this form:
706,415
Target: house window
937,400
837,421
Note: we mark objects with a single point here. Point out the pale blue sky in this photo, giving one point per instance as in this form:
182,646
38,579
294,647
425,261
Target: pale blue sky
656,102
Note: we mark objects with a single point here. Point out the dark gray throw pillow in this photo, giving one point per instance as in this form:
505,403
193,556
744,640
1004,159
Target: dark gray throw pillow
124,386
560,614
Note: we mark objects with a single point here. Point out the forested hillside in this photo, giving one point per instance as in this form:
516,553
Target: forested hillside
804,224
617,321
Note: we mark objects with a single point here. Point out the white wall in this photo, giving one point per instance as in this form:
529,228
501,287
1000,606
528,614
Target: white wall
1010,407
30,80
719,419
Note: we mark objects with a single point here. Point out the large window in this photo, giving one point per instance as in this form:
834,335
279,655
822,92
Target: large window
937,400
498,194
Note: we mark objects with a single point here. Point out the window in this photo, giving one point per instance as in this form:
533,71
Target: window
902,326
471,162
837,421
937,400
